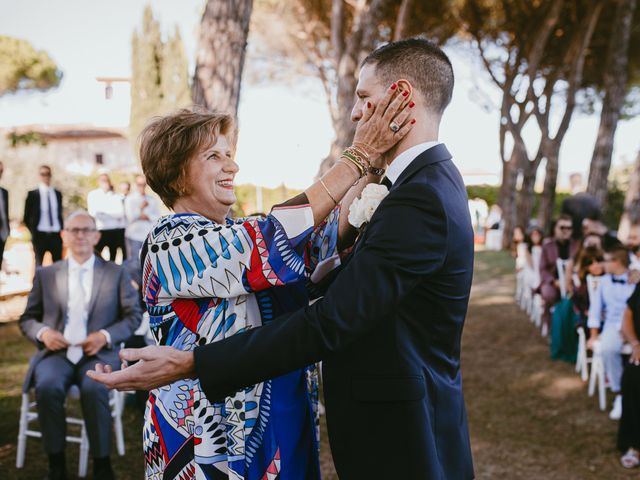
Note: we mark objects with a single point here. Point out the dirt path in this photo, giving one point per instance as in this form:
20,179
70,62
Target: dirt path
529,417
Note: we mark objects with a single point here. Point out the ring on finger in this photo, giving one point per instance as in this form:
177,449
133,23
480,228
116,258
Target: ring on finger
394,127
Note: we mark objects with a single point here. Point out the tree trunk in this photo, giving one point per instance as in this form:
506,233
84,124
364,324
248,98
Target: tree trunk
404,13
221,50
527,194
548,199
360,40
615,80
507,199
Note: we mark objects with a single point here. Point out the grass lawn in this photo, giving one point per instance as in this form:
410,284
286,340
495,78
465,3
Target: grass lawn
529,417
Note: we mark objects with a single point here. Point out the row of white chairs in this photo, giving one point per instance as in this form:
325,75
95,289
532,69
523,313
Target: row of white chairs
591,369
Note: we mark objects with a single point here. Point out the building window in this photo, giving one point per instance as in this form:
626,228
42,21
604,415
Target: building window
99,159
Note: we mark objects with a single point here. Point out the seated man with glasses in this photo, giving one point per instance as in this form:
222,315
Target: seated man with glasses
78,312
560,246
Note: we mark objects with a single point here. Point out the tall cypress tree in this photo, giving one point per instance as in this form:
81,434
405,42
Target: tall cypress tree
174,75
146,67
160,78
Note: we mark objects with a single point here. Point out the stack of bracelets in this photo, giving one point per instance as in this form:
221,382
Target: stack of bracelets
359,158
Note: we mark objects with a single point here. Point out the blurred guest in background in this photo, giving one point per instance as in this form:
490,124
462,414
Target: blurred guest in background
594,226
519,248
107,207
533,254
77,313
607,309
124,189
142,211
4,216
590,261
580,206
562,246
43,217
633,244
629,428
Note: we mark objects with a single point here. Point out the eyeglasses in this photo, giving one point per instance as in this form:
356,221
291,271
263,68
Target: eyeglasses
45,174
566,229
77,231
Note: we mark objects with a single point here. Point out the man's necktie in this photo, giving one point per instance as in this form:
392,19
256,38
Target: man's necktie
75,330
49,208
386,182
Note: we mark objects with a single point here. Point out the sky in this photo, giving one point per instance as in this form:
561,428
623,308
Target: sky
284,133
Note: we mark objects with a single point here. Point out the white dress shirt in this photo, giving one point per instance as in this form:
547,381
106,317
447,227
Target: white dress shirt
107,208
610,302
138,229
48,200
75,331
402,161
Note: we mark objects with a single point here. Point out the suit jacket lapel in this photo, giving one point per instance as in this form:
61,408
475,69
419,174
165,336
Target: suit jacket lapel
435,154
62,282
98,276
438,153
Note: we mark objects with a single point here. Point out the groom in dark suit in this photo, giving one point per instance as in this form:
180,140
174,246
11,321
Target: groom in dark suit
78,312
389,327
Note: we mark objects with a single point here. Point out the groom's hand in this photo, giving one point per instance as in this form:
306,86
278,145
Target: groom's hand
156,367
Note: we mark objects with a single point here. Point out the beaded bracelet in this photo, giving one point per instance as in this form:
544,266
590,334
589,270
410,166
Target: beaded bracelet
355,158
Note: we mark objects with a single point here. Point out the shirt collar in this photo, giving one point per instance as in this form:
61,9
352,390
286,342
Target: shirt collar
402,161
88,265
44,187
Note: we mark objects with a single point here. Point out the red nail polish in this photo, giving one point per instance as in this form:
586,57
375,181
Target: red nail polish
405,93
411,104
368,104
413,121
393,86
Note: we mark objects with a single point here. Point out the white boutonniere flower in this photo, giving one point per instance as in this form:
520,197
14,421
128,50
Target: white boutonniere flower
361,209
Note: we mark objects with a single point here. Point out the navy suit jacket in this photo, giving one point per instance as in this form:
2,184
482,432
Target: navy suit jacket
388,331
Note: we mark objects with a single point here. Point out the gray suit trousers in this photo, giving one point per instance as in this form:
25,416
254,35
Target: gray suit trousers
53,376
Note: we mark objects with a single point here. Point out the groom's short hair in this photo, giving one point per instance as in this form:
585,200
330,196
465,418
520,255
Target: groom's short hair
422,63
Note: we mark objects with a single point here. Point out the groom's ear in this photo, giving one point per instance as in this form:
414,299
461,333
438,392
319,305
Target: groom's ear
405,86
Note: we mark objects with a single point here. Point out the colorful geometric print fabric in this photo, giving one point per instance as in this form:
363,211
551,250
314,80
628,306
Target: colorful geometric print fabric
203,282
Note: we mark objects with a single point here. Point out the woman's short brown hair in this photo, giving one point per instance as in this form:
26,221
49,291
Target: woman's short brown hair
168,143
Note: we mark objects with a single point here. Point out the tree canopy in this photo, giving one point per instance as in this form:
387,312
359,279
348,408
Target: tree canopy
22,67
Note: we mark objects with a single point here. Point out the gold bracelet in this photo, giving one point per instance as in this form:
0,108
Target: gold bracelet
352,156
361,151
361,171
328,192
365,148
349,164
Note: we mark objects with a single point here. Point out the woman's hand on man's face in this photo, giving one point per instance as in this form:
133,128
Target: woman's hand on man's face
375,131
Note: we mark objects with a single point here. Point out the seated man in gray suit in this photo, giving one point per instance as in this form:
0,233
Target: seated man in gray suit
78,312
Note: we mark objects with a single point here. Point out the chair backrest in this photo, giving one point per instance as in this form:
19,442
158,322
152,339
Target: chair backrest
561,265
593,283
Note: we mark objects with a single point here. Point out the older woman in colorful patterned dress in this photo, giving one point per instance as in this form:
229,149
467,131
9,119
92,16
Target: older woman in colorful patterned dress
206,277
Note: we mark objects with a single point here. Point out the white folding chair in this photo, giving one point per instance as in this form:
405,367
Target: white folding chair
582,360
597,377
29,413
